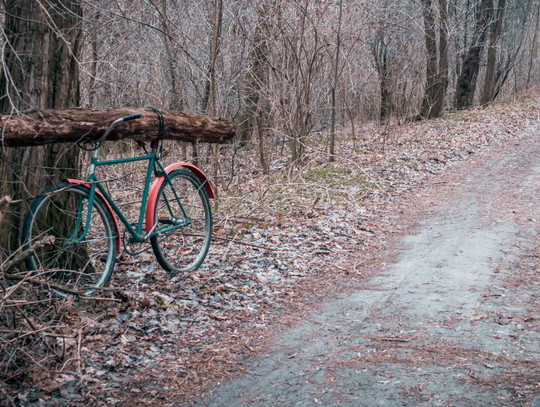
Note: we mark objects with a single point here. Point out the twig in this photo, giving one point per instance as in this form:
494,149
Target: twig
33,327
41,195
8,266
79,352
13,303
244,243
133,326
249,347
247,371
100,299
7,396
32,280
18,334
389,339
5,201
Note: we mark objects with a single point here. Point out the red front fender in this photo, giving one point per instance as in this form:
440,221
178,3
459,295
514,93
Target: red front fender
151,205
119,240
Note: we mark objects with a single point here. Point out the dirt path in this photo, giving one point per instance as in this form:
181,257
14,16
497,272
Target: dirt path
453,321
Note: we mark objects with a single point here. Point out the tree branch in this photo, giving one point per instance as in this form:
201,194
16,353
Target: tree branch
19,258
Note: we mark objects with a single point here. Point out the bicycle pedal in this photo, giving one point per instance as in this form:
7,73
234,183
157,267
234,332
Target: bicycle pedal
166,221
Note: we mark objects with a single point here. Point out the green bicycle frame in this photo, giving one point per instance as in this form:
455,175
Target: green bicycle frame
137,236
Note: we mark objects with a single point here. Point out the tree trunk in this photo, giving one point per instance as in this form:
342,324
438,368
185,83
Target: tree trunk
209,98
436,74
466,83
431,61
93,67
176,102
511,58
533,45
496,29
442,75
380,53
216,34
334,85
255,79
41,71
262,158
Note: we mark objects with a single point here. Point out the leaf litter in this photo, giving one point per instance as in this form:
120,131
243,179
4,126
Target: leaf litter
284,243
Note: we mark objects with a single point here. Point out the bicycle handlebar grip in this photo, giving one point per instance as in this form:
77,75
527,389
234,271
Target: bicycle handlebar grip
132,117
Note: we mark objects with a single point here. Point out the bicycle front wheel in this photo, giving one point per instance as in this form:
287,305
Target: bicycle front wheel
84,252
181,248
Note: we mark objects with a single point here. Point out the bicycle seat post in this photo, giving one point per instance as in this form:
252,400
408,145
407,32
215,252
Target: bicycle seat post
154,146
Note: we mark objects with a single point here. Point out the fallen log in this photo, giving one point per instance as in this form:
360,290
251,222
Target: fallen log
80,124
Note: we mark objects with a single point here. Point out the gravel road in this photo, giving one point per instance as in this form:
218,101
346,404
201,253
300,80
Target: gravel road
453,321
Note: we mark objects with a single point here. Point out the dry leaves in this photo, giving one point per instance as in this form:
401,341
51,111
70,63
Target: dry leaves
171,338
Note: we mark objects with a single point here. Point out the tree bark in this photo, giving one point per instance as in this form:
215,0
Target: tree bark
496,29
334,85
77,124
431,60
93,67
262,158
255,79
40,72
533,46
209,89
466,84
176,102
442,75
504,69
379,50
436,73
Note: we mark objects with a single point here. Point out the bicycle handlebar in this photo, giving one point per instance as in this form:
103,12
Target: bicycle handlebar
125,119
132,117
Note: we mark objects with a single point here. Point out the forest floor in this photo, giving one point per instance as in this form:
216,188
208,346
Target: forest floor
399,276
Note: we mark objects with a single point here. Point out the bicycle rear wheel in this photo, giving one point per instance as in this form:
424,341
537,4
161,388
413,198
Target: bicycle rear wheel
84,253
182,248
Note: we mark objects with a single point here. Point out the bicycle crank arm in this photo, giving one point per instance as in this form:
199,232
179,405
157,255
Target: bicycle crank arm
174,221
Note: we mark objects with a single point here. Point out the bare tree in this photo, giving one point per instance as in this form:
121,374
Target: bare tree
334,85
297,66
466,83
436,73
495,34
40,70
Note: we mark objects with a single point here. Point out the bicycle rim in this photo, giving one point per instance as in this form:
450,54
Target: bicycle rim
184,248
83,254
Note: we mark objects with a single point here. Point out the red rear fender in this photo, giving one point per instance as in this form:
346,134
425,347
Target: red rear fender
151,205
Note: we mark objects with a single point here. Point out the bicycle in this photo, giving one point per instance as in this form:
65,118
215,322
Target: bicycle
175,211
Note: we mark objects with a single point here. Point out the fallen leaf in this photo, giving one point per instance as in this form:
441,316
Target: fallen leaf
145,303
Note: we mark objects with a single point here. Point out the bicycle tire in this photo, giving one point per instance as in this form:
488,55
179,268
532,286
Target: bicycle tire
182,249
77,265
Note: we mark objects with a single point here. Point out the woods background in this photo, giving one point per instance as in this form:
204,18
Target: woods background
292,74
336,106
